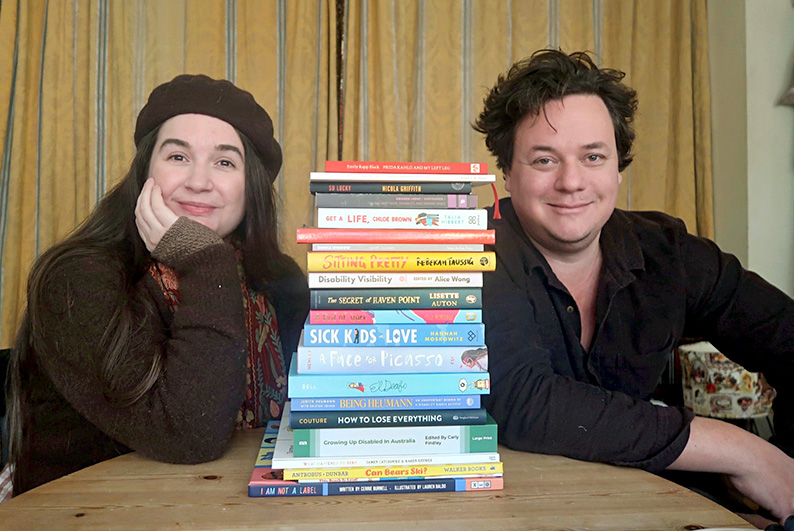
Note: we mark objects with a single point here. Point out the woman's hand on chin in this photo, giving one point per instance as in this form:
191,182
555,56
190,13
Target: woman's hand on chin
152,217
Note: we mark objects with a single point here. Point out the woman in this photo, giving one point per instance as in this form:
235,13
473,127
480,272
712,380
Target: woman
168,317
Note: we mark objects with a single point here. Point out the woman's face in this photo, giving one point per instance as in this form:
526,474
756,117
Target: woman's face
199,163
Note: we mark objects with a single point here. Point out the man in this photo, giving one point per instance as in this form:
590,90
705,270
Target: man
587,302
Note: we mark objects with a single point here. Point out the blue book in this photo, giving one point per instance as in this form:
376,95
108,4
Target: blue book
391,334
396,403
399,384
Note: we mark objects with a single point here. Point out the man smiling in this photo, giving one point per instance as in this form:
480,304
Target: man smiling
588,301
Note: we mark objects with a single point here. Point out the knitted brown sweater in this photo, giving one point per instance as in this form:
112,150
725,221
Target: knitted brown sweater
189,413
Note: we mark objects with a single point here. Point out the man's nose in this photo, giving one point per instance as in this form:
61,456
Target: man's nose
569,177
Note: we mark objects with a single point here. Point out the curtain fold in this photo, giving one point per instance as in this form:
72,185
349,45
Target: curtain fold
415,72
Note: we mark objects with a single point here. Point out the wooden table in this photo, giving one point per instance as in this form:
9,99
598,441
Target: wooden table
541,492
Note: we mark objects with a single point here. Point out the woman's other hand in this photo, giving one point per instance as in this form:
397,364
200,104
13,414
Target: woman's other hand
152,217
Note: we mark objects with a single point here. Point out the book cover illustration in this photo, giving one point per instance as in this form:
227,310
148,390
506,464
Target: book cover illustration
396,334
396,218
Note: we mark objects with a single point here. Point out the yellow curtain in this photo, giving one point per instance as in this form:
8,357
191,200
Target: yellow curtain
75,73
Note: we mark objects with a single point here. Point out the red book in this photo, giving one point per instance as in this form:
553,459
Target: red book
313,235
365,166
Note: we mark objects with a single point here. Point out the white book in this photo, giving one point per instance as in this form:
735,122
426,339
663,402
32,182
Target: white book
401,218
395,280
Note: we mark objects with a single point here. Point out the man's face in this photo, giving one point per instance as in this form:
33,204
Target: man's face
564,176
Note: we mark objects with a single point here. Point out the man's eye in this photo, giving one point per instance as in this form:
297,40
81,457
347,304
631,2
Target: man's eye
543,161
593,158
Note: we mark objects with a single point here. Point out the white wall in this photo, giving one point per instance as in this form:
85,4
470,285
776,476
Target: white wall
769,30
751,50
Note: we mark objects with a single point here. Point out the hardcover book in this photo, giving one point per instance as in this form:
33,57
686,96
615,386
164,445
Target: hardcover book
347,317
364,187
386,403
474,178
391,235
367,419
390,360
267,481
397,218
367,166
400,261
395,299
395,200
395,334
413,279
386,384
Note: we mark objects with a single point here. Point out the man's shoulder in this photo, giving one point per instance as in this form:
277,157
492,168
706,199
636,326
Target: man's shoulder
647,220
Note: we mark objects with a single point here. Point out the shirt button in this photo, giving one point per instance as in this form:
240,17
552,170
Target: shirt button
570,309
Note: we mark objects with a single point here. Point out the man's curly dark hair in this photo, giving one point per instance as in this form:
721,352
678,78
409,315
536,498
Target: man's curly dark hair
550,75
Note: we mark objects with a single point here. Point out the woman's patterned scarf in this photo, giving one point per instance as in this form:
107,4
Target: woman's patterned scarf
266,380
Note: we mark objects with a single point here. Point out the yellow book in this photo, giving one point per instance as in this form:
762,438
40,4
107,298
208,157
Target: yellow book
397,471
401,261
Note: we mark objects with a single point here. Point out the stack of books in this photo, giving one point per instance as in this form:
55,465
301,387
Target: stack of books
385,387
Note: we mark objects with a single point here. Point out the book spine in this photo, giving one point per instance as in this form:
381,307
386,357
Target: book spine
390,359
395,280
347,317
474,178
395,299
405,167
400,247
395,201
388,188
392,472
399,261
398,335
378,487
357,385
396,218
440,417
387,403
314,235
388,441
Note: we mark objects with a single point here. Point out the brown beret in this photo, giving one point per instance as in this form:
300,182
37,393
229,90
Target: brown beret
199,94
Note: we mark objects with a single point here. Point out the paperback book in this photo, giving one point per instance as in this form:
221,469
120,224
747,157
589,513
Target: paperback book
385,384
412,279
396,334
364,187
338,442
394,247
474,178
368,419
395,200
399,261
387,403
396,218
395,299
348,317
390,360
394,472
367,166
393,235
